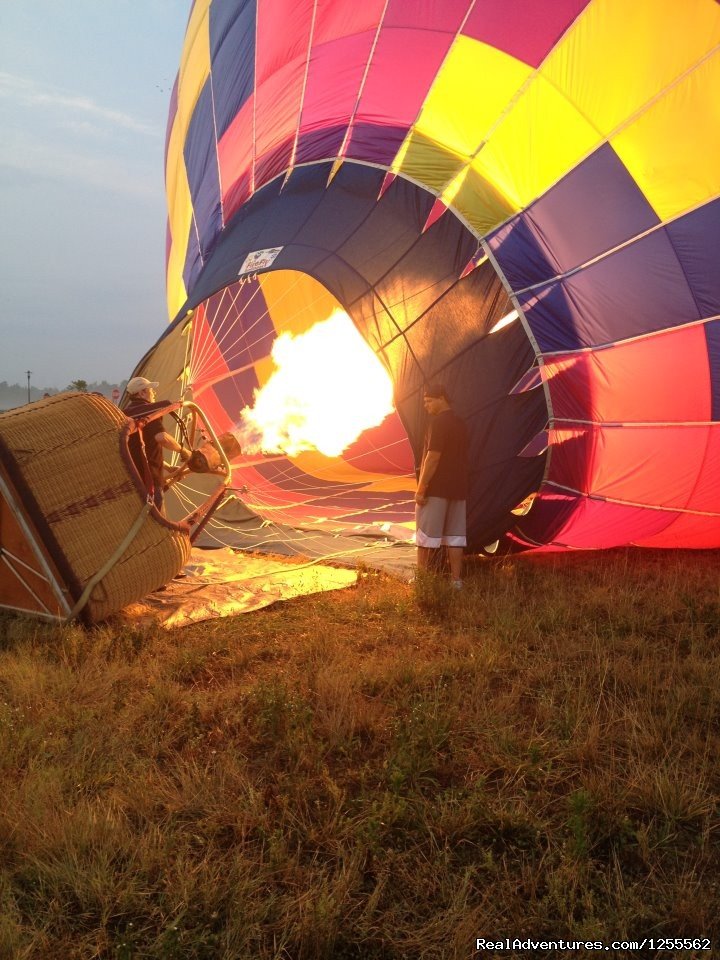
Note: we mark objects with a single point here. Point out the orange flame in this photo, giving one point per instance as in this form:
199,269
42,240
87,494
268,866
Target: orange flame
327,388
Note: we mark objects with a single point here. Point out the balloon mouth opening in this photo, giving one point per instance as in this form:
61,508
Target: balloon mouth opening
280,364
318,368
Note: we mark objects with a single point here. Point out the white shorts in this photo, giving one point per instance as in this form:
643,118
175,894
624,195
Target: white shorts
440,523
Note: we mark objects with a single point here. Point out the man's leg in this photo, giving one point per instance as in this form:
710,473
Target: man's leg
455,558
426,558
454,534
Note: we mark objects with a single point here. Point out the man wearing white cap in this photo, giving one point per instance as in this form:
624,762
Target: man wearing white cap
141,403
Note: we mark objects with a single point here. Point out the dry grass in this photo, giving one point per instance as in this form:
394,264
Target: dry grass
377,773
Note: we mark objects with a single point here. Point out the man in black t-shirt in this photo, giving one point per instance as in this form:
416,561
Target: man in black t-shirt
141,403
440,514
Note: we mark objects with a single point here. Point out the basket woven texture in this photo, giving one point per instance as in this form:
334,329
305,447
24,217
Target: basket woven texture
68,449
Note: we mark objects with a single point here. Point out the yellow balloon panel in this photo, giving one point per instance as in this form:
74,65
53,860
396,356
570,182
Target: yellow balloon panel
295,300
427,162
619,55
673,149
539,141
194,71
180,217
478,201
195,63
470,92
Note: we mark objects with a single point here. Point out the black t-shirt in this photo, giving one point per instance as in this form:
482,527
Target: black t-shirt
153,451
447,435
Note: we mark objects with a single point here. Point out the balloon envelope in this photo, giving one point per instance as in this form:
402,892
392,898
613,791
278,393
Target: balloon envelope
433,168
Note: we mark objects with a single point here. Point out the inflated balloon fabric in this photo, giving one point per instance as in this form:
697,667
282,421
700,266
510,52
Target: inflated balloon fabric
433,167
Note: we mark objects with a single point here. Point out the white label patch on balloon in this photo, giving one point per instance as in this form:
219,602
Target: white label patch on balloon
259,260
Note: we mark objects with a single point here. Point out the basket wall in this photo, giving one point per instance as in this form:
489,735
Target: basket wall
68,449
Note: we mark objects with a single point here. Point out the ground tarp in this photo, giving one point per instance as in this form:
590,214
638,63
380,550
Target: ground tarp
242,562
223,583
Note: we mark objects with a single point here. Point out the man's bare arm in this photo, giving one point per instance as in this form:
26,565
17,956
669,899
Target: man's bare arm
427,472
170,443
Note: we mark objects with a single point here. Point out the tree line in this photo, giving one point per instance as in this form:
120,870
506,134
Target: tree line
16,394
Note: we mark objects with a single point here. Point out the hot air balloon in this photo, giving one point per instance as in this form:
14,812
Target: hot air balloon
519,199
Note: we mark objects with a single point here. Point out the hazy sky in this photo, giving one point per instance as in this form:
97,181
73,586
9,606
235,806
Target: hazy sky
84,93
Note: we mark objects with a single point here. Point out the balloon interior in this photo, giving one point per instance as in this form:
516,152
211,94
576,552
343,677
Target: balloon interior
326,388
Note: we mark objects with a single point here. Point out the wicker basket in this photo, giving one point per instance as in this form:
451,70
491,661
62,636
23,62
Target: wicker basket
70,466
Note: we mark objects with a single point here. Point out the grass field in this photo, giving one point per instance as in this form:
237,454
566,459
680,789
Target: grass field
386,772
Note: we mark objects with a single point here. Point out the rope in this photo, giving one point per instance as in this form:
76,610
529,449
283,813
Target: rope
109,564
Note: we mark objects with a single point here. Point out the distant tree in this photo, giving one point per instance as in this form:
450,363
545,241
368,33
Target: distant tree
15,394
80,385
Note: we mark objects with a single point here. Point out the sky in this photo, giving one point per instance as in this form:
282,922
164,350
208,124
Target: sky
84,92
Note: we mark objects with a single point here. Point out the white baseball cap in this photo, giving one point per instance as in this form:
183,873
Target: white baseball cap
140,383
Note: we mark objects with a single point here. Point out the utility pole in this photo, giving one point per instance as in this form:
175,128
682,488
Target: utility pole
28,376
